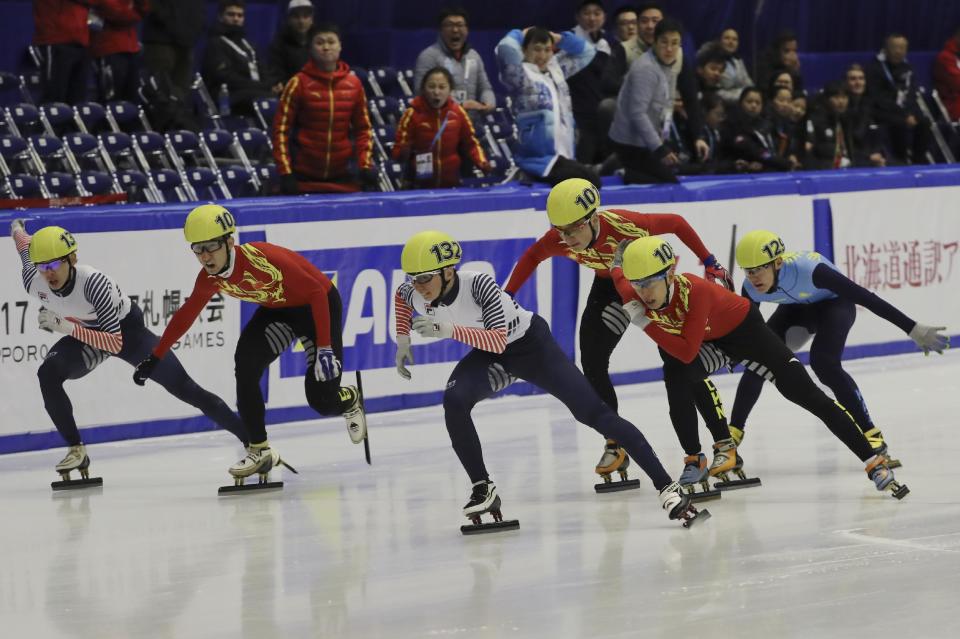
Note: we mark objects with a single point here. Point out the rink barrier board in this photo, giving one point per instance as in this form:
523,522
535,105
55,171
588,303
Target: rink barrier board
563,307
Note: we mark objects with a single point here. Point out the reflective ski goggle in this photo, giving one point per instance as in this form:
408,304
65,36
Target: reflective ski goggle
647,282
199,248
422,278
51,265
572,229
757,270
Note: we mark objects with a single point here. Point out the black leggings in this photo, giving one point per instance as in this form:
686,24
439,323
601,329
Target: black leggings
830,322
538,359
72,359
565,168
642,166
602,327
753,341
268,333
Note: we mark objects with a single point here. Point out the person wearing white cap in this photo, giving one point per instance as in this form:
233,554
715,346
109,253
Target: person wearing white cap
290,50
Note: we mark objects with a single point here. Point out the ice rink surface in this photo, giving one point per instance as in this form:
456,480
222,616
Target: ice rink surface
347,550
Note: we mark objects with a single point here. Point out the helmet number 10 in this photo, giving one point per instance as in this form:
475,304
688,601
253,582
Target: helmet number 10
664,253
225,220
444,251
588,198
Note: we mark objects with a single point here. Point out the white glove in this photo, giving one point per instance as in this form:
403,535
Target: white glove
637,312
929,338
426,327
16,225
53,323
327,366
404,356
618,255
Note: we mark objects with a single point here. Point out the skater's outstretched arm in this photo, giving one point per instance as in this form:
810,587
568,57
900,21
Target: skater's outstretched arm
183,319
550,245
21,240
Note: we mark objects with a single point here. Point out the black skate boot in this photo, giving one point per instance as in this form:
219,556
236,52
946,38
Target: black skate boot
678,505
614,459
484,499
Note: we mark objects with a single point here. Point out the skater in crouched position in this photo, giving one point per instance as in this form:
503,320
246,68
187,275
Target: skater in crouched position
296,300
680,312
97,321
814,298
585,233
508,342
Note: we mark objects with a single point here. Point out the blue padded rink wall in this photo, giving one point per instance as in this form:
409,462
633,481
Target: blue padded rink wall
347,549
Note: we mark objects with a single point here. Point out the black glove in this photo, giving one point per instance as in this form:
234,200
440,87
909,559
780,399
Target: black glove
368,180
289,185
144,369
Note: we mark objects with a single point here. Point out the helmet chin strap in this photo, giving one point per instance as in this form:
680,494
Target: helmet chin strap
666,300
228,265
594,230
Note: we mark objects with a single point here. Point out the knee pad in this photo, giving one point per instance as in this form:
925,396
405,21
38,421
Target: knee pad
615,318
498,377
797,337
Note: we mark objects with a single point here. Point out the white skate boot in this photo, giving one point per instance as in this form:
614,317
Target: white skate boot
484,499
356,419
882,476
76,459
677,503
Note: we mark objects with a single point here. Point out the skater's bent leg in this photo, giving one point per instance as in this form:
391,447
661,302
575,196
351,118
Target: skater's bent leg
601,328
468,384
260,343
748,392
710,406
68,359
680,382
836,319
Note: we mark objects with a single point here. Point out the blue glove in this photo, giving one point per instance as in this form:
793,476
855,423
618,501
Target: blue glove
327,366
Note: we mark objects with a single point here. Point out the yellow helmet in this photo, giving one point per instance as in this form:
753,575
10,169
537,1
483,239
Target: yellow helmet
51,243
647,256
758,248
429,251
572,200
208,222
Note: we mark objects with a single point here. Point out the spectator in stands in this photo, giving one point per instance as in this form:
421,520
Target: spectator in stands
734,78
891,87
832,138
783,80
627,26
290,48
597,82
170,32
787,142
748,135
711,61
860,113
536,78
643,108
322,123
780,56
434,133
231,61
471,86
946,75
714,115
62,33
115,49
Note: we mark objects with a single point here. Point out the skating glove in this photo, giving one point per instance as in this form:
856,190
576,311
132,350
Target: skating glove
426,327
404,356
637,312
53,323
618,255
714,271
144,369
327,366
929,338
16,225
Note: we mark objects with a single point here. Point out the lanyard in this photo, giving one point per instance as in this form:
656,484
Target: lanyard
443,125
249,55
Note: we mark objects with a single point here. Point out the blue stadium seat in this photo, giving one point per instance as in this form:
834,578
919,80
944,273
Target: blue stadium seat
58,115
387,78
132,179
237,179
265,108
183,141
12,147
60,184
26,117
252,140
82,144
125,114
201,177
217,140
149,141
9,88
97,182
46,146
92,114
267,172
25,186
116,143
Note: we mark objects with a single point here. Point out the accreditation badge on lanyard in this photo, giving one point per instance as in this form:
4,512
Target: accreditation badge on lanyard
424,161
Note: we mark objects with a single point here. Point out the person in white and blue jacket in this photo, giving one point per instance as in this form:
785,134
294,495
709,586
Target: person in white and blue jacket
536,78
815,299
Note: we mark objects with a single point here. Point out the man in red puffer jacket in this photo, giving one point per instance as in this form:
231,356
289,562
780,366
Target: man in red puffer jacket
62,34
322,122
115,47
434,132
946,75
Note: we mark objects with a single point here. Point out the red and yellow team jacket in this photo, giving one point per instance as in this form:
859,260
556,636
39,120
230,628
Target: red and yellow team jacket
417,133
318,113
61,22
119,33
615,225
699,311
262,273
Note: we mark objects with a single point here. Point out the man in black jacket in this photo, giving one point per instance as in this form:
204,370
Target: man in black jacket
231,61
891,86
170,31
290,49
